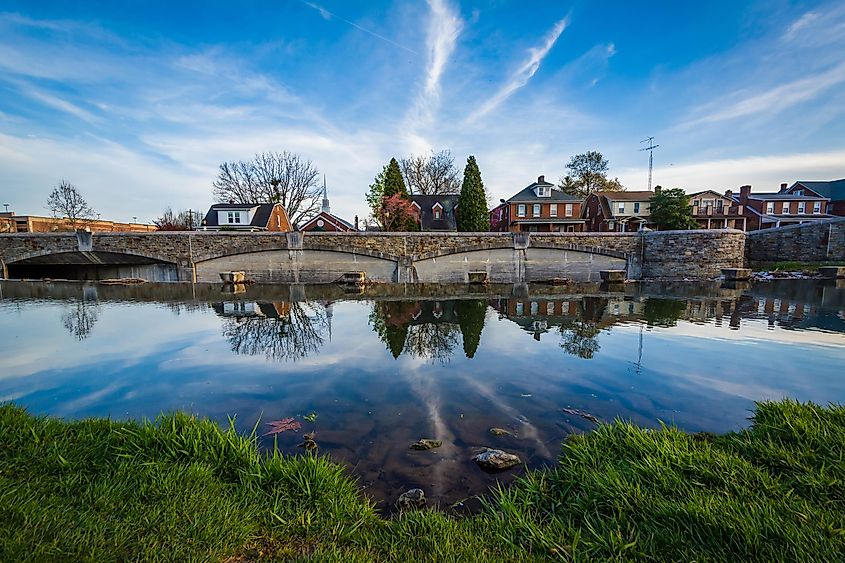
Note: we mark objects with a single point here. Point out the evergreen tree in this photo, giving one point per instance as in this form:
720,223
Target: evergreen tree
471,314
393,182
670,210
472,203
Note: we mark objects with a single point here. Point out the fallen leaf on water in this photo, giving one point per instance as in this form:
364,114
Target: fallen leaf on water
279,426
308,443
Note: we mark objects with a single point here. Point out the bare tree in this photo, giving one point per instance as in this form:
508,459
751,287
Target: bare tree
66,201
272,177
431,174
177,221
81,318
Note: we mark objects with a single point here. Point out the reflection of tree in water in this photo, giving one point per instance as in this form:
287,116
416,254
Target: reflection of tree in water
663,312
81,318
578,337
290,332
428,329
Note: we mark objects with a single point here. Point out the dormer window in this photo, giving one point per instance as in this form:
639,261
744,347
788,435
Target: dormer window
234,217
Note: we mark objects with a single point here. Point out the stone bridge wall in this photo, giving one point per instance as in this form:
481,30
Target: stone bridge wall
404,257
821,241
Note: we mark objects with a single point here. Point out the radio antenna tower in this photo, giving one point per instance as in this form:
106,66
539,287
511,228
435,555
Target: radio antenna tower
650,148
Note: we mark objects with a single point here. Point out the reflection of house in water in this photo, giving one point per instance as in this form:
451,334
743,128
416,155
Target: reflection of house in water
242,309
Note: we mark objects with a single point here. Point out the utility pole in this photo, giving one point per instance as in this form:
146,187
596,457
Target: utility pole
650,148
6,205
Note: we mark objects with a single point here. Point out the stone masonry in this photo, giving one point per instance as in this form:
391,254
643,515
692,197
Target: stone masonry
821,241
298,256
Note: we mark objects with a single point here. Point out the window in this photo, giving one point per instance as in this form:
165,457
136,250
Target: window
817,207
520,308
550,307
536,210
541,191
770,207
636,207
798,192
520,210
696,203
553,209
234,217
621,207
568,210
785,208
719,204
801,208
535,308
437,213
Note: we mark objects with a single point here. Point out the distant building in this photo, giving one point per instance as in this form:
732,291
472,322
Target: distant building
712,210
325,221
38,224
834,190
540,207
791,205
618,211
437,212
246,217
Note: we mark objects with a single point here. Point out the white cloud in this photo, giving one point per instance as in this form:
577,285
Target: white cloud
772,101
800,25
764,172
524,73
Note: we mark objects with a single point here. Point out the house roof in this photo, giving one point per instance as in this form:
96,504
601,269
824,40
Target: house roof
702,192
834,189
259,219
782,196
330,217
527,195
447,221
642,195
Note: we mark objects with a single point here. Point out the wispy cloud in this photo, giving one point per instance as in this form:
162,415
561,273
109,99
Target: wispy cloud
772,101
800,25
524,73
444,27
327,15
60,104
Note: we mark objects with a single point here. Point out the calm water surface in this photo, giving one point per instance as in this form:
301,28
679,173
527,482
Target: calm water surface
382,373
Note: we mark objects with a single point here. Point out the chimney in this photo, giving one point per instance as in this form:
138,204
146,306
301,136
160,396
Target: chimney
541,179
744,192
729,194
657,188
783,187
231,202
356,223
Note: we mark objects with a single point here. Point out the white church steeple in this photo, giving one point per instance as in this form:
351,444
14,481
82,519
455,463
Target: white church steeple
326,208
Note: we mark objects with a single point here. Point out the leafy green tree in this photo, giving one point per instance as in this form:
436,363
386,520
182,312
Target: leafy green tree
670,210
375,196
471,314
472,203
588,174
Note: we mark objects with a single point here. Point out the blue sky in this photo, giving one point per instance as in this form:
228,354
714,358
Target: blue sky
137,103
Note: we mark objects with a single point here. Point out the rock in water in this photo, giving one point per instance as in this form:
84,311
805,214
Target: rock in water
413,499
500,432
426,444
496,460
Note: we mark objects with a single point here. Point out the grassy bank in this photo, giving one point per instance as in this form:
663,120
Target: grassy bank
808,267
184,489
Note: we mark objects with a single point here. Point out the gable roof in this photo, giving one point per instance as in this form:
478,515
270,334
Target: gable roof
527,195
834,189
328,217
641,195
259,219
714,192
447,221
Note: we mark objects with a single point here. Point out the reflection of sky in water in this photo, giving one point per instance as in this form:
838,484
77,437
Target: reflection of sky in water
133,360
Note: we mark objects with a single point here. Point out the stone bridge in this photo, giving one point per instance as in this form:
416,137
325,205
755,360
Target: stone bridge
385,257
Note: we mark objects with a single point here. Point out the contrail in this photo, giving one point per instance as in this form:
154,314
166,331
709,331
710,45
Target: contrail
328,15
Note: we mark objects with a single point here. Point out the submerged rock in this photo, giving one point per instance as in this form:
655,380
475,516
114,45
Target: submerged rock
426,444
500,432
582,414
412,499
496,460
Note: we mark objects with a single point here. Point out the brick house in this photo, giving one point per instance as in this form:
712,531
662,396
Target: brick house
789,206
436,212
834,190
246,217
713,210
39,224
617,211
541,208
326,221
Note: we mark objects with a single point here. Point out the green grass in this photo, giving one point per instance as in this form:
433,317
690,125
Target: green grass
183,489
811,267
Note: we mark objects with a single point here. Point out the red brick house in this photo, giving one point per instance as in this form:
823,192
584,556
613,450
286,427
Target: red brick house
325,221
540,208
790,205
713,210
834,190
617,211
246,217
